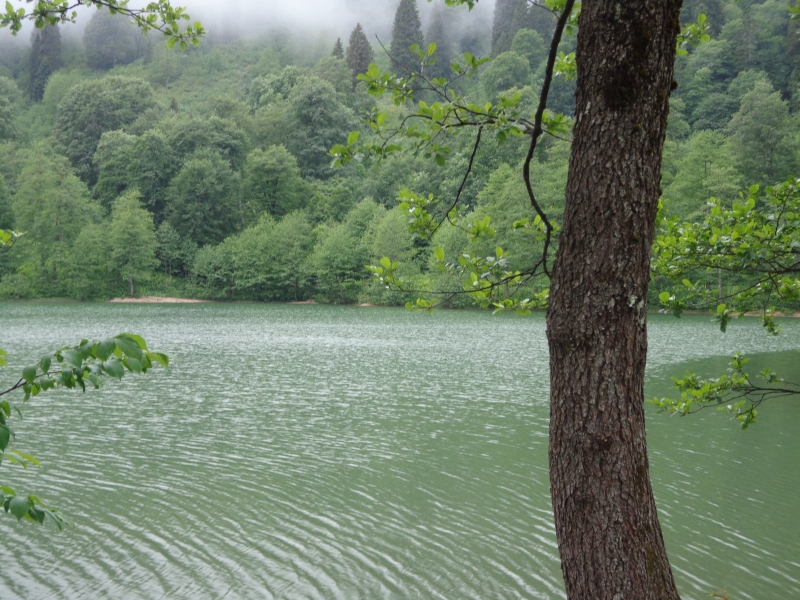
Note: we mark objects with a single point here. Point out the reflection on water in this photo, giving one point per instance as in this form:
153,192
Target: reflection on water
337,452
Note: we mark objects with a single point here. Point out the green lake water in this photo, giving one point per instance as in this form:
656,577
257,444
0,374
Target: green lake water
342,452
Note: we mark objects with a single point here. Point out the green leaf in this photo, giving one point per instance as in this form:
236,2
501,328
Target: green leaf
161,359
73,357
19,506
438,252
44,363
114,368
353,137
105,349
29,374
5,437
135,338
129,347
664,297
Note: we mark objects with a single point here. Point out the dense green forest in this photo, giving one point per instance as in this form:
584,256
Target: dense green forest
135,169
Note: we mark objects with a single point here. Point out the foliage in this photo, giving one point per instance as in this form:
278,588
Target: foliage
8,96
201,198
734,393
110,41
92,108
509,70
45,59
406,32
758,237
157,15
338,49
132,240
112,160
760,139
74,367
272,183
359,52
317,121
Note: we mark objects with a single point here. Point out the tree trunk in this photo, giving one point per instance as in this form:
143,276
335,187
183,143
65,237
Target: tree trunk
130,285
606,521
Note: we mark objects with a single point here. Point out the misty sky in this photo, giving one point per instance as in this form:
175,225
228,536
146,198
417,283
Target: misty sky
229,17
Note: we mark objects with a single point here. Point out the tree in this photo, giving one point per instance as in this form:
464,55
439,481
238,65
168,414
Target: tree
505,72
201,198
51,206
359,52
317,120
606,520
110,40
503,28
272,183
437,34
509,17
6,213
92,108
153,164
112,160
45,59
8,96
530,44
132,240
406,32
706,169
338,49
759,136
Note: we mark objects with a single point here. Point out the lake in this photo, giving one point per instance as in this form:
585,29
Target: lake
343,452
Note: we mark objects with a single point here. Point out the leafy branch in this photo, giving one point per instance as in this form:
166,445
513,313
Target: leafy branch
158,15
734,393
71,367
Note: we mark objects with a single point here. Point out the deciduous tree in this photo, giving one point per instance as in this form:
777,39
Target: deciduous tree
132,240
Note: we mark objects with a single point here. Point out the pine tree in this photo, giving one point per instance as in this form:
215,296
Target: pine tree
406,32
359,52
45,59
444,48
503,29
338,50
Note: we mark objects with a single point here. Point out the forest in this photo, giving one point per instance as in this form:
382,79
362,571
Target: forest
134,169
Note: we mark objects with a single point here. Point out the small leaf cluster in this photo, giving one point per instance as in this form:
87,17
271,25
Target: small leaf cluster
693,34
158,15
733,393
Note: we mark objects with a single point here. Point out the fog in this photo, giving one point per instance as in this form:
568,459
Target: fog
234,18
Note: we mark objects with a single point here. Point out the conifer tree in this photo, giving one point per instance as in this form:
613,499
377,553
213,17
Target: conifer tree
444,48
338,50
406,32
45,59
359,52
503,29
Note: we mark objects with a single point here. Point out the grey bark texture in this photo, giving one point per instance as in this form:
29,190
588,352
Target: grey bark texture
605,512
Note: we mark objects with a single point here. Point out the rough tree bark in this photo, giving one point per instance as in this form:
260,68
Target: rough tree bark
606,521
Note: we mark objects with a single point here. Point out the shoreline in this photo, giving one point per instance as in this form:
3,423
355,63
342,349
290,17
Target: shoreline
157,300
